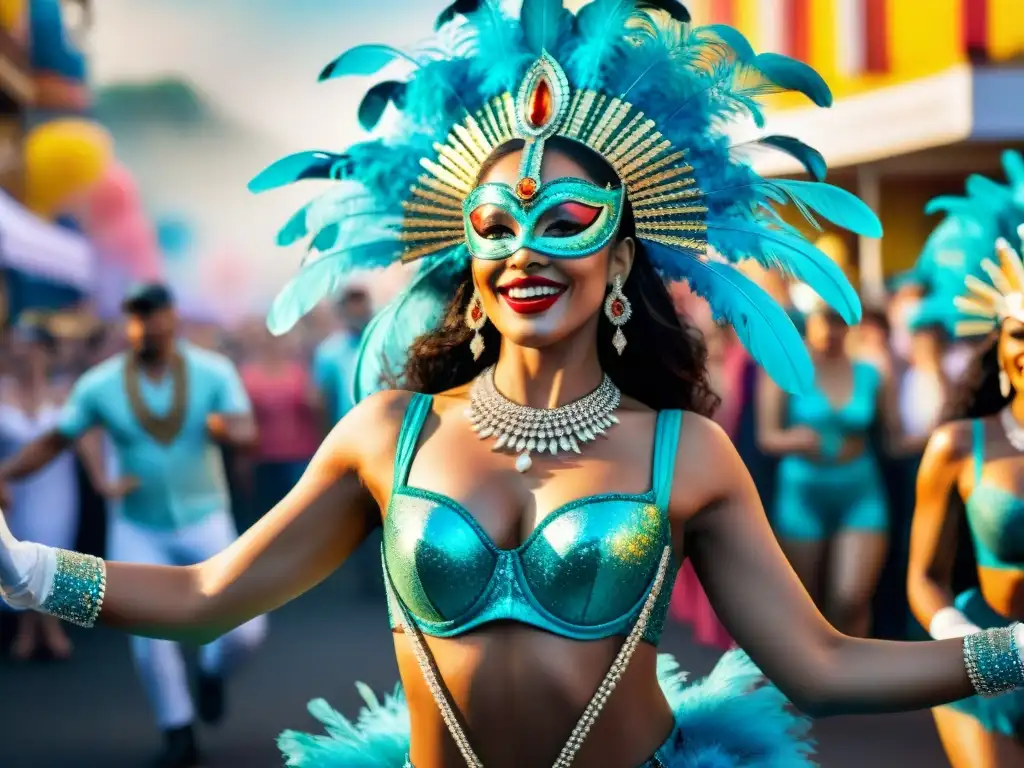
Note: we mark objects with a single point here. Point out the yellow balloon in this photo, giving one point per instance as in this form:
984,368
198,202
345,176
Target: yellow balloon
63,159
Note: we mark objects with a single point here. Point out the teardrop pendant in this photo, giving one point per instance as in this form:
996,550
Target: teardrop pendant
523,462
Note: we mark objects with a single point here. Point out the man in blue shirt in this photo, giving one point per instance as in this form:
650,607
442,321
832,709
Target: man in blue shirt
166,407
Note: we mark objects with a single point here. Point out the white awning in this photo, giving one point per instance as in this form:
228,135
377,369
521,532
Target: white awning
41,249
963,103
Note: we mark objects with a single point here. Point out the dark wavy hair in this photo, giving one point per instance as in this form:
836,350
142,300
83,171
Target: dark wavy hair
977,393
664,365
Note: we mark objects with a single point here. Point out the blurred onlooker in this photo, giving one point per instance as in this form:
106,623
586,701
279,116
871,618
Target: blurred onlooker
44,507
335,357
869,342
286,406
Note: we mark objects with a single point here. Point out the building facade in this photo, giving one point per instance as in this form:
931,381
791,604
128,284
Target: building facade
926,92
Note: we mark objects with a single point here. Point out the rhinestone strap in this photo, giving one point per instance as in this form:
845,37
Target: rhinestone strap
993,661
524,429
594,707
78,589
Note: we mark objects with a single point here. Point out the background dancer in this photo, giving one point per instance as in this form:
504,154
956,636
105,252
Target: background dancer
831,511
978,455
165,405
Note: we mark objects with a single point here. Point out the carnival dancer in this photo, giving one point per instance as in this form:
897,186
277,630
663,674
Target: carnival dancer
977,455
831,507
165,406
527,570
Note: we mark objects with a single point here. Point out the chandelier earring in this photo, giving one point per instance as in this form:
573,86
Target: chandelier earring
618,311
1004,383
476,318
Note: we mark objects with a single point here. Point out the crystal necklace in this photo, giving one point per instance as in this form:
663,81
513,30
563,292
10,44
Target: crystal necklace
1014,431
524,429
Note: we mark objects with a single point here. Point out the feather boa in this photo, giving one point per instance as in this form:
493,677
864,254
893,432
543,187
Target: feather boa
731,719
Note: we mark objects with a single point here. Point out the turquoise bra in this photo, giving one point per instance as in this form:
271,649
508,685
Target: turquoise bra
994,515
833,424
583,573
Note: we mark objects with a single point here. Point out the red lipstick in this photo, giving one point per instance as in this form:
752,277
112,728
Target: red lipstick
533,295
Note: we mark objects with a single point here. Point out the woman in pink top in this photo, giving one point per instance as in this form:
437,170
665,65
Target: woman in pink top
287,410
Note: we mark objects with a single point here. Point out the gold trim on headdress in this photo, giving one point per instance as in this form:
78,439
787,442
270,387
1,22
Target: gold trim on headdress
986,305
667,203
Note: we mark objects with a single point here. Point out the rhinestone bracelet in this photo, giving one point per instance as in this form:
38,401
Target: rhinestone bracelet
993,661
78,589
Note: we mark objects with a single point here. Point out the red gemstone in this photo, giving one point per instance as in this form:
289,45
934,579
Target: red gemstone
541,104
526,188
475,313
618,309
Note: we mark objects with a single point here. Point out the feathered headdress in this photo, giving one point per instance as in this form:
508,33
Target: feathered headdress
630,79
970,249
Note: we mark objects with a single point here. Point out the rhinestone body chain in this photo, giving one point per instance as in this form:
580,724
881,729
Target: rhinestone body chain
555,430
593,709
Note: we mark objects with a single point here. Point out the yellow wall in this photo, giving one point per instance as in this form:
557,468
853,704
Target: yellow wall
926,39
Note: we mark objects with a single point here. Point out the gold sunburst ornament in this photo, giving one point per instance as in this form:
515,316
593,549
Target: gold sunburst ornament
659,183
986,305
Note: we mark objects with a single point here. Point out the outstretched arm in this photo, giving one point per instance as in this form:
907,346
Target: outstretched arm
293,548
933,537
766,609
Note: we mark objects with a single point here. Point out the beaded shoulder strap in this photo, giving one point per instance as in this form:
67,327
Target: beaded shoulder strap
451,717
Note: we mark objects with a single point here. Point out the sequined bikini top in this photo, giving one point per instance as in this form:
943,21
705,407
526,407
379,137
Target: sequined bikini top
994,515
584,573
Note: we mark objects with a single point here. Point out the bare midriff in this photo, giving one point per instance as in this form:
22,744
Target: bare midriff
520,692
1003,590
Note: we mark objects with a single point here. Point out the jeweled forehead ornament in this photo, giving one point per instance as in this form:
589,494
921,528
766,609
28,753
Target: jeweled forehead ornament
659,183
986,305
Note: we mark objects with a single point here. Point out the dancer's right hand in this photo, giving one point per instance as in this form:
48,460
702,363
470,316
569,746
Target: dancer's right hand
120,487
26,570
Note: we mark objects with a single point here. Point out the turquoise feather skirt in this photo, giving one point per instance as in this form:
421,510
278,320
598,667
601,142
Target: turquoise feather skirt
731,719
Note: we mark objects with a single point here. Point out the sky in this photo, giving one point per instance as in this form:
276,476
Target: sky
256,62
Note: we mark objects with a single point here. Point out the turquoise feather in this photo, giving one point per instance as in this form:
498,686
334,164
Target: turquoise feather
793,75
313,164
320,279
673,8
741,49
835,204
796,256
811,159
760,323
417,310
600,26
295,228
1013,166
376,100
364,60
987,191
541,21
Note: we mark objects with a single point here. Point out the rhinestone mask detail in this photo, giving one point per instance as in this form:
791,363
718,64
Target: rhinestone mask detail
523,429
